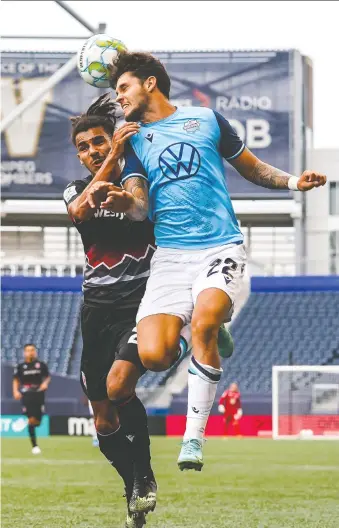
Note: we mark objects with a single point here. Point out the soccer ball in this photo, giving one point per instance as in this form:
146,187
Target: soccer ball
94,57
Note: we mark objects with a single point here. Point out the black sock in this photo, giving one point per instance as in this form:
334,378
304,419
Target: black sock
32,435
117,449
133,420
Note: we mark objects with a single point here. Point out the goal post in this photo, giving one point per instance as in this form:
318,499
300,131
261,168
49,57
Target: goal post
305,402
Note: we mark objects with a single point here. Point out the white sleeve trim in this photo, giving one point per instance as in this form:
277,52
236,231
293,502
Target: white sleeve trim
133,175
237,154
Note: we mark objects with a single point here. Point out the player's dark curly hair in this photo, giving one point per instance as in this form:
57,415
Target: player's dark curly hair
141,65
101,113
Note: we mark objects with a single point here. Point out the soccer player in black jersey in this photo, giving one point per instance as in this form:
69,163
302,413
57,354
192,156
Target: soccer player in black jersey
118,253
30,382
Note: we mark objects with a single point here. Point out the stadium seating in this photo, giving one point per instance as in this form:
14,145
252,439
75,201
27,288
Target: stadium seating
156,379
47,319
272,329
279,328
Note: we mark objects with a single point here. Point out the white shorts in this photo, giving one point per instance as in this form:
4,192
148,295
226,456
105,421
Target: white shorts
178,276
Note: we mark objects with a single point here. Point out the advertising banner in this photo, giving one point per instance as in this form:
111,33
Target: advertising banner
84,425
249,425
16,426
253,90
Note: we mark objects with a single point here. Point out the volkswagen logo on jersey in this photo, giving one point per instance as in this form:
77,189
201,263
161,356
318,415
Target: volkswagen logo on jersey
179,161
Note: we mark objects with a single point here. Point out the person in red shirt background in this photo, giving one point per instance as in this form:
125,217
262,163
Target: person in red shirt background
230,407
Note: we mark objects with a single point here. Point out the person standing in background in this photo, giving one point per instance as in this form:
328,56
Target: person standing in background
30,382
230,407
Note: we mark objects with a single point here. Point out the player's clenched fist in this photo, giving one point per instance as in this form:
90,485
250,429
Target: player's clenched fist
310,179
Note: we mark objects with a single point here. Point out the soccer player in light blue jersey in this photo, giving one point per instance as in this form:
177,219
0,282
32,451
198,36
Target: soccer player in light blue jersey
173,171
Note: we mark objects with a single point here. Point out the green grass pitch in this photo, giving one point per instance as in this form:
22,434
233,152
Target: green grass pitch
246,483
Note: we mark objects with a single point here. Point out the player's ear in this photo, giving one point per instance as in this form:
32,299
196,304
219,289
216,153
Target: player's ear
151,83
81,162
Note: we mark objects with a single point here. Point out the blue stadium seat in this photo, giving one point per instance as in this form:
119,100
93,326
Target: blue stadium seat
48,319
274,328
271,329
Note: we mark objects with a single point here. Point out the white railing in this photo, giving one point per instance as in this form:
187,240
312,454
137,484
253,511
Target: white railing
38,251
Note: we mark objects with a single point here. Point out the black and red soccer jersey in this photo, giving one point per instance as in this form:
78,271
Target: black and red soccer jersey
31,375
118,254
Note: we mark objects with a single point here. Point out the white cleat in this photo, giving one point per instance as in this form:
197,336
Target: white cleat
191,455
36,450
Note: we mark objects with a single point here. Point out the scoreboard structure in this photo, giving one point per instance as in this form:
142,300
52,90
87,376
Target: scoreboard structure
266,96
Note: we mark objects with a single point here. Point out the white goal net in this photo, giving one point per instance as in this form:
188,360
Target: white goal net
305,402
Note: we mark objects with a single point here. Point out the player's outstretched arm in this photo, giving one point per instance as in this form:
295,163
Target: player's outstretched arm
133,200
263,174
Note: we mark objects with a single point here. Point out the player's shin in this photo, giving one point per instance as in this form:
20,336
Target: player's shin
117,449
202,386
32,434
133,419
236,427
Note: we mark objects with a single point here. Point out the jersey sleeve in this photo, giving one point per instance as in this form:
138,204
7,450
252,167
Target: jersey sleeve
73,190
44,370
230,145
223,398
16,373
132,166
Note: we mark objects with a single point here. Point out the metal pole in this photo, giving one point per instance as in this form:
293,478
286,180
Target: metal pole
290,394
50,83
44,37
74,15
53,80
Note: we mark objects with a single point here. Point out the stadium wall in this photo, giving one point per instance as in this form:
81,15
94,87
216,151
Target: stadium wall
68,415
64,395
258,284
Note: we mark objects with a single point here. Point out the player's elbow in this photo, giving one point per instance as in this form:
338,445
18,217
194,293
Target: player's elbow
78,215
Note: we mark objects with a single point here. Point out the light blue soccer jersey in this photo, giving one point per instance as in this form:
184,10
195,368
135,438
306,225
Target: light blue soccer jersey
181,157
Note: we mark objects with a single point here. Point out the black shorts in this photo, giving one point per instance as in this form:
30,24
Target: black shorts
33,404
107,335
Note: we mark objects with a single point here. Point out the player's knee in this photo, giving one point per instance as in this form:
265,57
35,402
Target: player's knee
157,359
117,389
205,328
33,421
104,426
